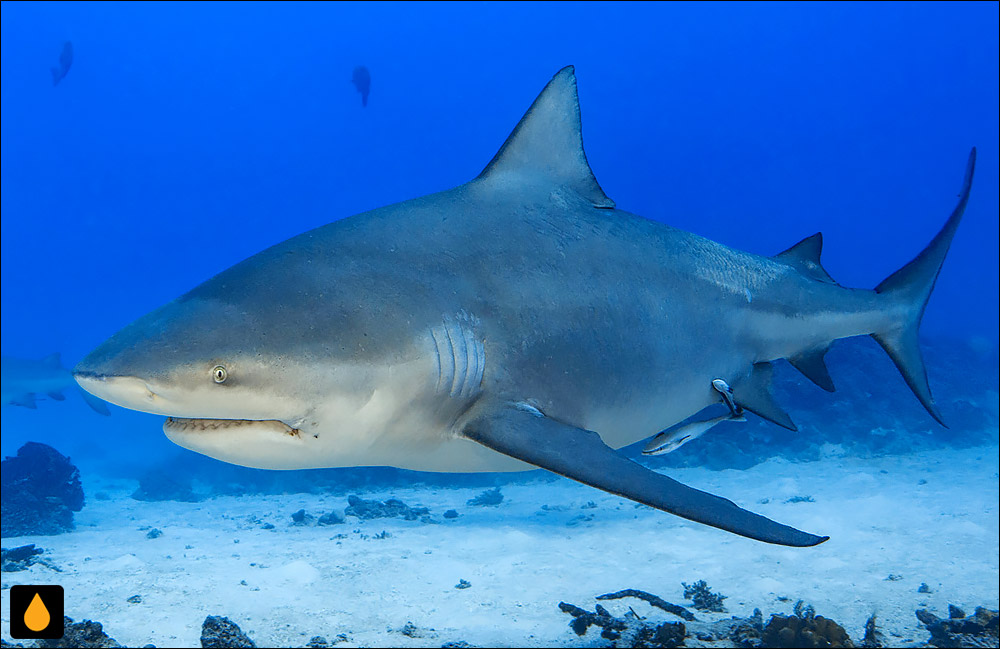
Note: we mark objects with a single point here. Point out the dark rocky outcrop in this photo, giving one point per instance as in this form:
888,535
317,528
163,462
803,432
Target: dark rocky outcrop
978,630
220,632
19,558
489,498
40,490
627,631
302,517
802,629
331,518
367,509
85,635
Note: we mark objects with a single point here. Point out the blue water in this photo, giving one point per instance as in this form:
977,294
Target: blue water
186,137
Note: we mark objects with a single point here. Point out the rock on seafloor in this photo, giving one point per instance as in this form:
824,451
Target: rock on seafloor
218,632
368,509
978,630
39,491
86,635
19,558
489,498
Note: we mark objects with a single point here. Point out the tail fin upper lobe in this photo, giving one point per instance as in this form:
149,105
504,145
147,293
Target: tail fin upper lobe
911,286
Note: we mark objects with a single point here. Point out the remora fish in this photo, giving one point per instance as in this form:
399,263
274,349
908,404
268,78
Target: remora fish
22,380
519,316
687,431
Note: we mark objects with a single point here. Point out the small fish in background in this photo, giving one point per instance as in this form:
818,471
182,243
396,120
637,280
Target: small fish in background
362,80
65,61
22,380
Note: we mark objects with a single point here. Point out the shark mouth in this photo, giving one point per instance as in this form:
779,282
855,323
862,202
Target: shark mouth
180,425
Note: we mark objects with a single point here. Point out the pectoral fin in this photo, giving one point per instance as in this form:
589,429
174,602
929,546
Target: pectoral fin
754,394
582,456
97,405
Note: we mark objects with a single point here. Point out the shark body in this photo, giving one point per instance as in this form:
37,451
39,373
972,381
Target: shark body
24,381
519,320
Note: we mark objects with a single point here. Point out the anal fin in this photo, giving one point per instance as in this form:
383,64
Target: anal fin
581,455
813,367
754,394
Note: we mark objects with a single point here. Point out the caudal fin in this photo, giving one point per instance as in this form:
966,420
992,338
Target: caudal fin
911,287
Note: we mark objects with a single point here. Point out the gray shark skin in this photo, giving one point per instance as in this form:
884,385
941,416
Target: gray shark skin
23,380
519,320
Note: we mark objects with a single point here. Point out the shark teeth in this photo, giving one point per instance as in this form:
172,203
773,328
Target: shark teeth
179,424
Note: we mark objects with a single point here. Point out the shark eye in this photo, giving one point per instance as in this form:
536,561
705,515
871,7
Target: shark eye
219,373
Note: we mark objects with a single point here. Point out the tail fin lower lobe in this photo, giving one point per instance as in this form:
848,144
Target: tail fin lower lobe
911,286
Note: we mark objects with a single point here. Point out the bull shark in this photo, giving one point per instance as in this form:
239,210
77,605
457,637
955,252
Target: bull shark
65,62
519,320
23,380
362,80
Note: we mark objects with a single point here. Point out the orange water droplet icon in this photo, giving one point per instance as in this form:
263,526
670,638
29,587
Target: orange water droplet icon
37,616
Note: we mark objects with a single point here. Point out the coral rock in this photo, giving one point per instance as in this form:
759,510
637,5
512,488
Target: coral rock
85,635
218,631
811,631
979,630
40,491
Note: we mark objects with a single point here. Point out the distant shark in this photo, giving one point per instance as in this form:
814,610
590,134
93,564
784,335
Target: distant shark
517,320
65,61
22,381
362,80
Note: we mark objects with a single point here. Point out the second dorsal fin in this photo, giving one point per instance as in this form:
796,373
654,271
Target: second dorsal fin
804,257
546,146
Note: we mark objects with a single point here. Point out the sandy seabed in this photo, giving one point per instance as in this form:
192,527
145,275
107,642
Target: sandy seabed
930,517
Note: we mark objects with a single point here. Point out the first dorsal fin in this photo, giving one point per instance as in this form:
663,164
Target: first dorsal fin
547,145
53,360
804,257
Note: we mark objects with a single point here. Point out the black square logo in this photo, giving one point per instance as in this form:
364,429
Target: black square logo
36,612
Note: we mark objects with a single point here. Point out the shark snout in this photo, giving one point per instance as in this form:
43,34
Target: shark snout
124,391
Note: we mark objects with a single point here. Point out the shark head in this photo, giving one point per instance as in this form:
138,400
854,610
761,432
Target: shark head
202,363
243,376
347,345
